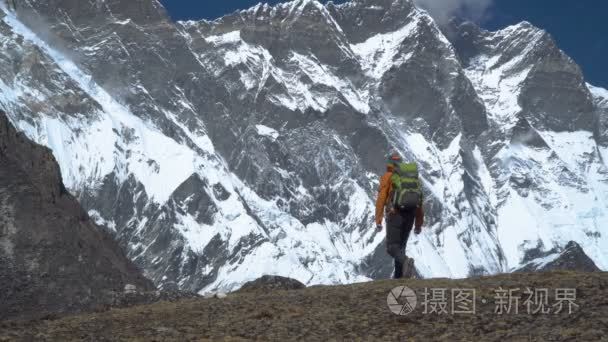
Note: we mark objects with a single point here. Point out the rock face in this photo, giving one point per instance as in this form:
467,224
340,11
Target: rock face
53,259
269,282
220,151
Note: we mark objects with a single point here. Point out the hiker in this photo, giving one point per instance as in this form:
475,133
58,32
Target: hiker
400,196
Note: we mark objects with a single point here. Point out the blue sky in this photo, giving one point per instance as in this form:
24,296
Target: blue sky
580,27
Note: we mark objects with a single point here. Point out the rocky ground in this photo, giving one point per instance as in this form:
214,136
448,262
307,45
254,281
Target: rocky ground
351,312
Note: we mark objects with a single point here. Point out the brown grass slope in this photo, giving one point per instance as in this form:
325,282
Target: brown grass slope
349,312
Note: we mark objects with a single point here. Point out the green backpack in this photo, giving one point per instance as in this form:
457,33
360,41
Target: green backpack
407,192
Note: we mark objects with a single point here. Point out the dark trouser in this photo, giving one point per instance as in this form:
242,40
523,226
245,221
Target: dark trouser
398,228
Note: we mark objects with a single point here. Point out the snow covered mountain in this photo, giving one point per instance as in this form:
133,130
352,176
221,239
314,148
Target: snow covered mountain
218,151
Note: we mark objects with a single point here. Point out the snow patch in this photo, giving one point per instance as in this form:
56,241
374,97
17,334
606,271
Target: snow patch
267,132
226,38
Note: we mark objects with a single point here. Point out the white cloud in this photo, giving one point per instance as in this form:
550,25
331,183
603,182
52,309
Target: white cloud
443,10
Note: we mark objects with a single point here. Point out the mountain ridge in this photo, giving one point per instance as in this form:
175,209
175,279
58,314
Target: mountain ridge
282,139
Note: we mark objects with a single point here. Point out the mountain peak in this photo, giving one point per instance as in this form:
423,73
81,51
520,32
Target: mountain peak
302,4
361,19
310,9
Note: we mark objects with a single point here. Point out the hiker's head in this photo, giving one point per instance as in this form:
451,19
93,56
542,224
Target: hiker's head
393,159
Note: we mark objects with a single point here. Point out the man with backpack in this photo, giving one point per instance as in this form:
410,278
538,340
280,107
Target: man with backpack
400,196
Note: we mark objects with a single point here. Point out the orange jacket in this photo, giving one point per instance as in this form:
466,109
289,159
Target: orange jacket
384,195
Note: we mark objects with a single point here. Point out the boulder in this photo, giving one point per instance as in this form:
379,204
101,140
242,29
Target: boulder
272,282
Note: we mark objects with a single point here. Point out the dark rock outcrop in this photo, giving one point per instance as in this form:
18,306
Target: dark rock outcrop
571,258
53,259
272,282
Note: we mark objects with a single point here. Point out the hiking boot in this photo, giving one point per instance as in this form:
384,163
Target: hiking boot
405,268
408,267
412,269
